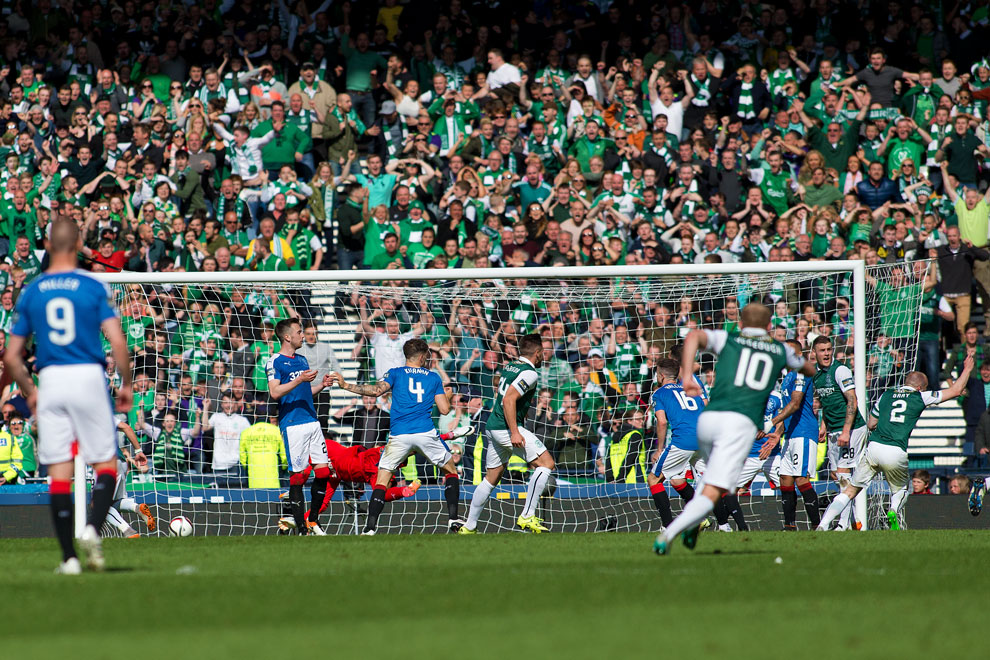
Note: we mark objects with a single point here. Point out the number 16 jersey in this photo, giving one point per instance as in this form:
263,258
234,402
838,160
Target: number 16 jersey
682,414
414,391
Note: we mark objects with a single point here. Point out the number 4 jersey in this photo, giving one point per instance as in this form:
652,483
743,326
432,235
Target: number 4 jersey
414,391
897,412
748,367
682,412
64,312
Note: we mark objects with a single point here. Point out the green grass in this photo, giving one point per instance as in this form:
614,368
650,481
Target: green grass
878,595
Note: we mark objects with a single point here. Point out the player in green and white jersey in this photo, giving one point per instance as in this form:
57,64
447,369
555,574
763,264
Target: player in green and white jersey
892,420
506,436
747,370
843,425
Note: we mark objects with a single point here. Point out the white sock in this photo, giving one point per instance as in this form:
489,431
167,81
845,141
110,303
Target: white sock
128,504
694,512
481,493
838,506
859,504
537,482
116,520
897,500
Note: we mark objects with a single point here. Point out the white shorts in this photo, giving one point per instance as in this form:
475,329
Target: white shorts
799,457
878,457
74,404
500,448
726,438
401,446
770,467
674,463
120,490
846,458
304,444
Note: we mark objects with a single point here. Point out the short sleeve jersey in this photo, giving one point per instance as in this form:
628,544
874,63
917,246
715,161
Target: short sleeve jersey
897,412
64,312
413,393
682,414
830,385
804,422
521,375
774,405
747,370
296,406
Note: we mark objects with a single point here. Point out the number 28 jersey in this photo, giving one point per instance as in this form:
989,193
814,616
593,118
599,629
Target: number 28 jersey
747,370
64,312
682,414
414,391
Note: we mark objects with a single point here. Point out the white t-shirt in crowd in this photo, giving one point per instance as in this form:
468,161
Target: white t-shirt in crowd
227,431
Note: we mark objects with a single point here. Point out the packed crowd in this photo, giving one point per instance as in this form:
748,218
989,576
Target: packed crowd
251,135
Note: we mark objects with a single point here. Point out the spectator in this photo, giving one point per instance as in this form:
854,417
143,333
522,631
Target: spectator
227,426
262,453
921,482
960,484
977,400
368,421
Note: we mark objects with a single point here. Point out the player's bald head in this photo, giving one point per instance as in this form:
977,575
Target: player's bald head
916,380
64,238
755,315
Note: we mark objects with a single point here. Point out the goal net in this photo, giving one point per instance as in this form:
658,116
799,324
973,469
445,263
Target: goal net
200,343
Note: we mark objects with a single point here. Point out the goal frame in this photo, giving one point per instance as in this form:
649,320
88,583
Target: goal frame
856,268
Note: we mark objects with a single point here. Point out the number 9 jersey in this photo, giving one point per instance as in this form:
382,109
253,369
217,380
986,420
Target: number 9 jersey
64,312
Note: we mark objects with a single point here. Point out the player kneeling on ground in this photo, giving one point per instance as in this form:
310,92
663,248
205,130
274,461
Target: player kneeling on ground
891,421
747,370
506,436
415,390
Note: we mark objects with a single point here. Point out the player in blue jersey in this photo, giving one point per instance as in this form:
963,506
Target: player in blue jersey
65,310
292,383
764,456
799,459
678,412
415,390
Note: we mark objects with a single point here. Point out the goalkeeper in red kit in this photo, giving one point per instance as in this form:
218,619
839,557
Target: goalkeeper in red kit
359,465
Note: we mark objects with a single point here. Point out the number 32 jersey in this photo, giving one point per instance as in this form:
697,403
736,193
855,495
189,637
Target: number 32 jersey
64,312
682,414
413,393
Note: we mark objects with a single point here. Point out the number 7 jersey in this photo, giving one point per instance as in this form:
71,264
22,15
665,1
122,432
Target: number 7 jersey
414,392
64,312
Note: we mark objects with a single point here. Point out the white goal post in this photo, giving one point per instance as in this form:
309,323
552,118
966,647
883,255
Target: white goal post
301,280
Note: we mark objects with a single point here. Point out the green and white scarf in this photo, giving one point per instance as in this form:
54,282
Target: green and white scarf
302,120
450,130
779,78
702,91
395,140
351,116
747,108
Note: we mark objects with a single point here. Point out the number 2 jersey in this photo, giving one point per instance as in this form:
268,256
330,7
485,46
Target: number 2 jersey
897,412
414,391
64,312
682,414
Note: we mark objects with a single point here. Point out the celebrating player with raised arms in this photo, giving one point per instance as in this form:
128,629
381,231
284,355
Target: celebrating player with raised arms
799,460
507,437
678,412
745,374
65,309
292,383
892,420
844,426
415,390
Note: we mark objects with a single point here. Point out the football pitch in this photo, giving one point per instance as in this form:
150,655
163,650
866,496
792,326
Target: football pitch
878,595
